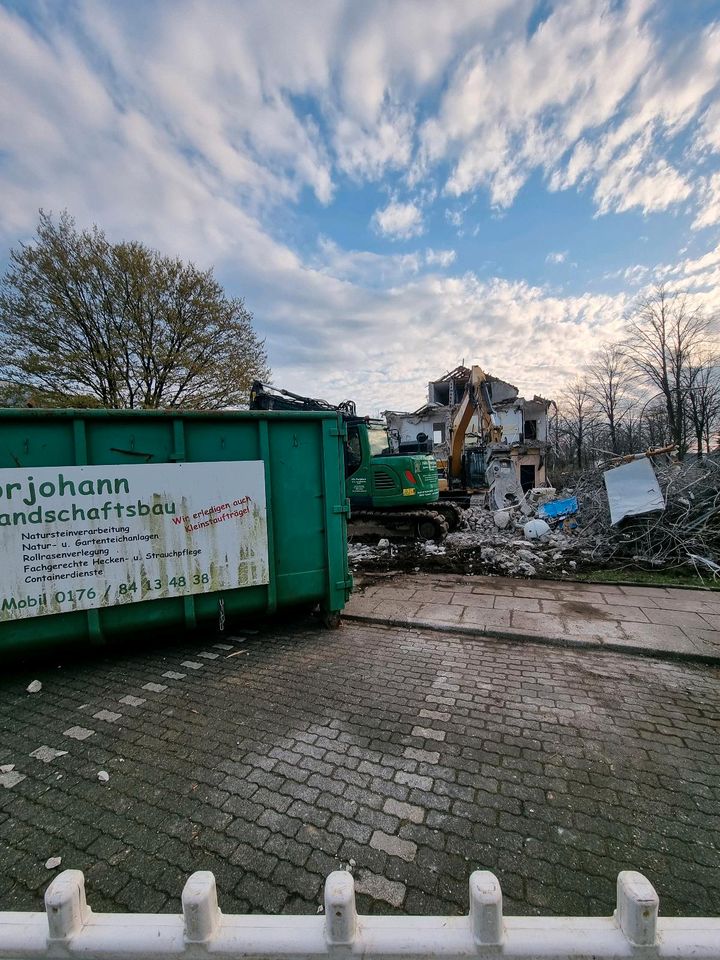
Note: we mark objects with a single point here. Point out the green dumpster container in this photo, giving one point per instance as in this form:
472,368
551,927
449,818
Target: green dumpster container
114,522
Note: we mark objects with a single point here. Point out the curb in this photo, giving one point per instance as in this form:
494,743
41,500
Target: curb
548,641
634,583
549,579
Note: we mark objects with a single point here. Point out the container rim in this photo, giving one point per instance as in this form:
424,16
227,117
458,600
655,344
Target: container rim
22,413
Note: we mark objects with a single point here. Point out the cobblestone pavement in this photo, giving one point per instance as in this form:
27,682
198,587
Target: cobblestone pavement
663,620
413,757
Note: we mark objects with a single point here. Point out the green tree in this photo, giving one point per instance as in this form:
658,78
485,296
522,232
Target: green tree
84,321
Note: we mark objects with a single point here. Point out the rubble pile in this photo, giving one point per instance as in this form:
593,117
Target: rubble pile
519,541
686,534
479,546
504,547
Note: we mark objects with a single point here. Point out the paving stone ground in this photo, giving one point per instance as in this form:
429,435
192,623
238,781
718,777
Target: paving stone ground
413,756
663,620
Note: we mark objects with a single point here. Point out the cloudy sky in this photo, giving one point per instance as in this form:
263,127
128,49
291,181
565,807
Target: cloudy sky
394,187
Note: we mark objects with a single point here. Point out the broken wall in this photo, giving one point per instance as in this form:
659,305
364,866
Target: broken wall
536,411
409,425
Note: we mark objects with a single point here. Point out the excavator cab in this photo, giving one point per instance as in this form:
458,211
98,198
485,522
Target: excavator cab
381,479
389,493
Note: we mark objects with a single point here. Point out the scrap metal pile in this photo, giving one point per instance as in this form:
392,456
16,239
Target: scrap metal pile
671,522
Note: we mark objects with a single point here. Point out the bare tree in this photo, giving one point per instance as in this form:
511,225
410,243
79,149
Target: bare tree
576,415
702,381
630,430
609,382
654,427
665,331
120,325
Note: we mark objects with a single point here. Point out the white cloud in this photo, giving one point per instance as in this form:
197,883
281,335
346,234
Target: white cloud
272,102
709,261
558,257
629,184
441,258
366,153
595,81
384,361
399,221
364,267
636,274
709,203
708,136
198,127
522,102
626,162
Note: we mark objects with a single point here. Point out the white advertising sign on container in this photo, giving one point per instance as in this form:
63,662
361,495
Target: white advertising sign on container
78,538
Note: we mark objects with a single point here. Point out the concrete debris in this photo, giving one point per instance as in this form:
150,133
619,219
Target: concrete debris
53,863
358,553
540,495
527,557
7,767
47,754
34,687
430,547
478,546
573,532
11,779
536,530
103,776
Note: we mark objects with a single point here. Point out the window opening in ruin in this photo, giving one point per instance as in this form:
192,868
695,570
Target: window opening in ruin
527,476
441,393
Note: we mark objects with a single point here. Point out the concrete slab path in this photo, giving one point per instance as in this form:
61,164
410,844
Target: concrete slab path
654,621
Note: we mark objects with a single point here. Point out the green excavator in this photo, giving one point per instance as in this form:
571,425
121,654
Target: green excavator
391,494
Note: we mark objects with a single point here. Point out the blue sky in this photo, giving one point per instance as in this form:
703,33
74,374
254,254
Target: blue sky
393,186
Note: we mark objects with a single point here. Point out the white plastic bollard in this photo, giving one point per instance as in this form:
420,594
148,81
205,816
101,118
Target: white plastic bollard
69,928
486,916
637,908
200,907
66,906
340,909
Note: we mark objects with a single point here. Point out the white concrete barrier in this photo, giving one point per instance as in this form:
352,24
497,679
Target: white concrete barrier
70,929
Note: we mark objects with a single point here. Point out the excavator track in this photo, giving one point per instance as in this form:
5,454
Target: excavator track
409,524
451,511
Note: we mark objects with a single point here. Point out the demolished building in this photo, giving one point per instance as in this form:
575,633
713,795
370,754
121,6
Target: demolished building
522,443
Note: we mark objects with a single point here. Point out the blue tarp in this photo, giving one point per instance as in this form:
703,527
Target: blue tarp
557,509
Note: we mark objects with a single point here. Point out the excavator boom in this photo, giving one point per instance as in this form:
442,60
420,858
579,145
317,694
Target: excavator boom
476,397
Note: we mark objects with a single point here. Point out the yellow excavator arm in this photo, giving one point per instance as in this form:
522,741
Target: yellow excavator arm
476,397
